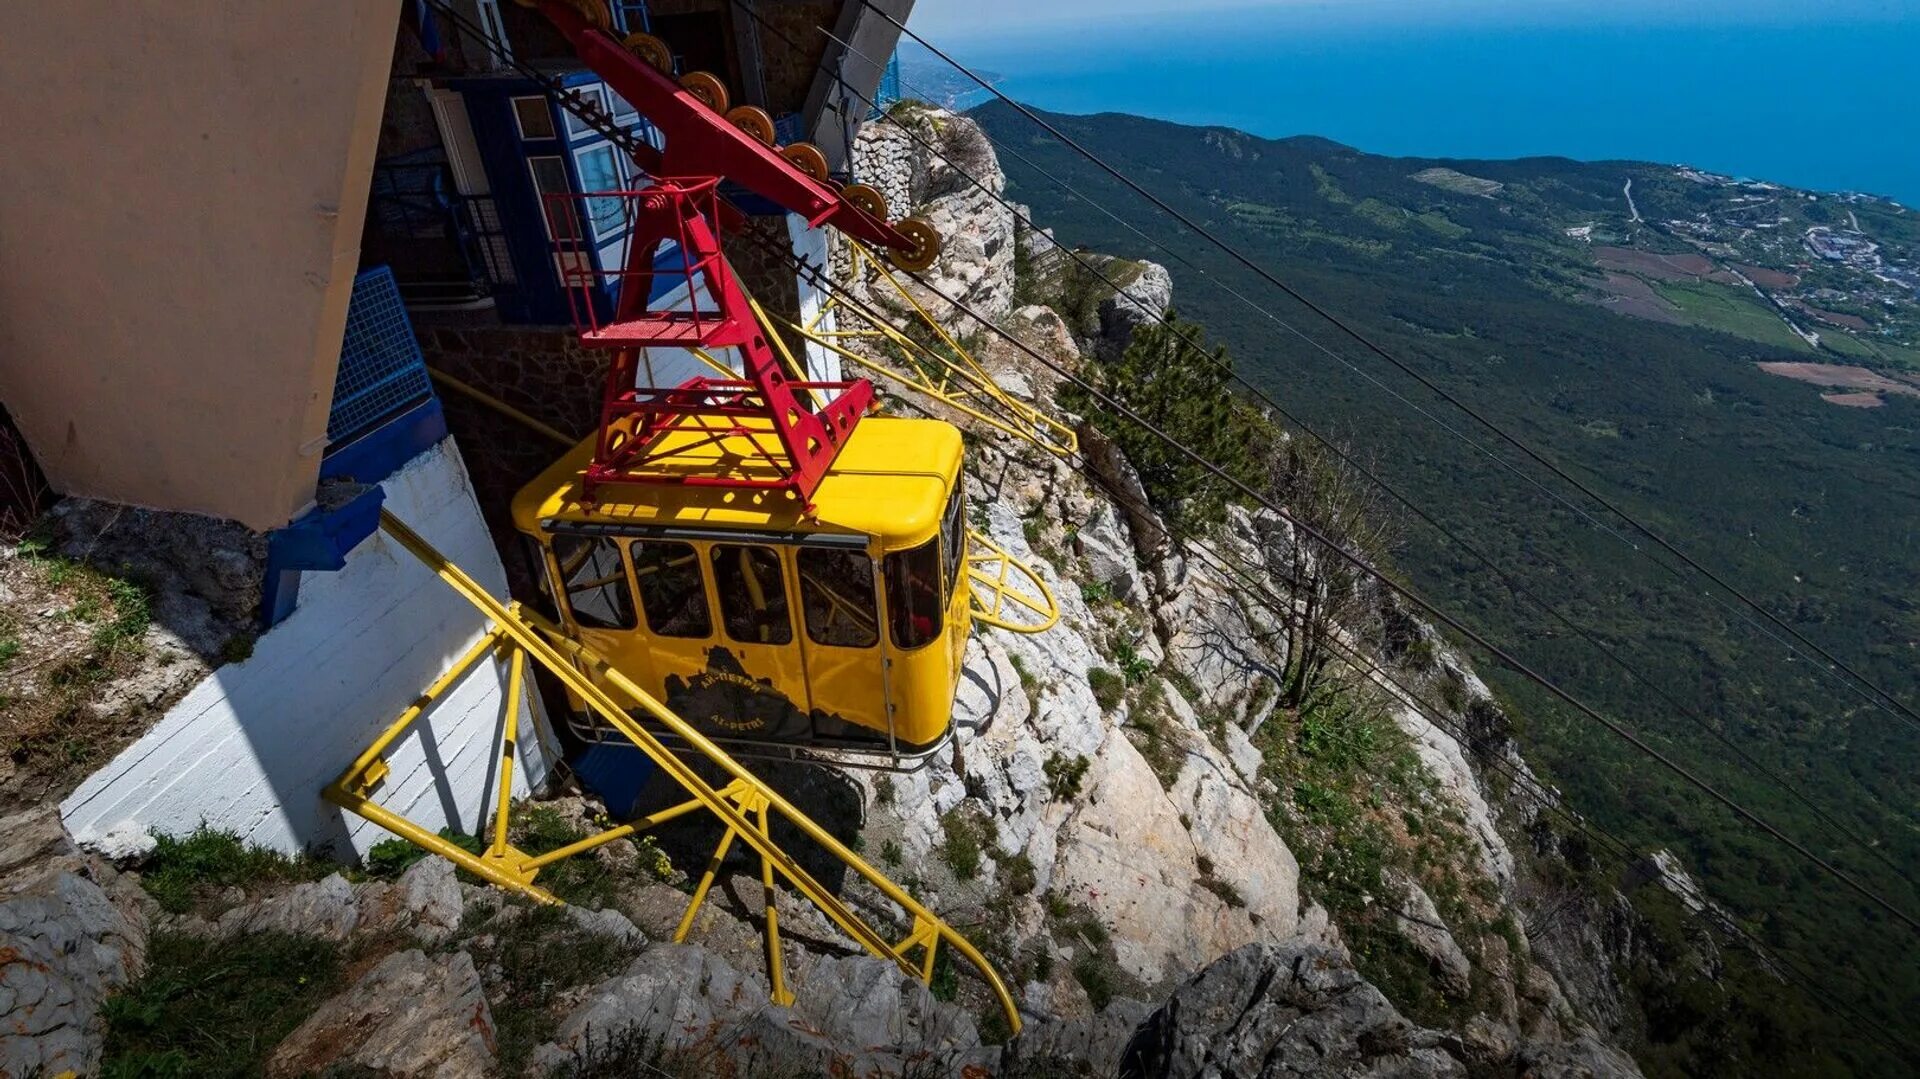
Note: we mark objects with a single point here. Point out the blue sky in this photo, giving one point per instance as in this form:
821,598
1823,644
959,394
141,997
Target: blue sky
959,20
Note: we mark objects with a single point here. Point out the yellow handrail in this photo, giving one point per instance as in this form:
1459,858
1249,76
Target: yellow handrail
991,571
743,799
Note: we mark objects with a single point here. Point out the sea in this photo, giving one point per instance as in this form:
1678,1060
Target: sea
1825,103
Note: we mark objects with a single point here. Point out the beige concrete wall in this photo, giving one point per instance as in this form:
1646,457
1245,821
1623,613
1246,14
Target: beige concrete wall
181,199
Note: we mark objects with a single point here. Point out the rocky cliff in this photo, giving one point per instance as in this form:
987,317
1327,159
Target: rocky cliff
1184,861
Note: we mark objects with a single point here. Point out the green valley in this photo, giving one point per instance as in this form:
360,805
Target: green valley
1612,315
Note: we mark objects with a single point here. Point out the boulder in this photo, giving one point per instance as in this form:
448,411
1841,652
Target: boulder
412,1014
1418,922
1143,300
426,901
1084,1046
1103,541
72,931
853,1016
1271,1010
326,908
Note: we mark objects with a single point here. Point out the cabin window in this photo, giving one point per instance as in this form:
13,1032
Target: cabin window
671,591
542,578
556,197
753,594
596,582
534,116
836,597
913,594
953,536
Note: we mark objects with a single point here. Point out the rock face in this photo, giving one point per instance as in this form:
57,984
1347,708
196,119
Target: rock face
976,231
1141,301
858,1016
72,931
1277,1010
410,1015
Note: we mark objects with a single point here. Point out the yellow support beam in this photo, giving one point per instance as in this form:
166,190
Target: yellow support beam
744,805
952,377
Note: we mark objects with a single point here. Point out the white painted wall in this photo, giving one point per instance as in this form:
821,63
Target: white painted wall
811,245
249,748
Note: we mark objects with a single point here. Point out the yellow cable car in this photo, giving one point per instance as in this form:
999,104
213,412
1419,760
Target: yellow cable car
762,624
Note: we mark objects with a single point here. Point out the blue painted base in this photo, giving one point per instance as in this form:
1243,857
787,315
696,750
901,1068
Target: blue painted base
616,774
320,539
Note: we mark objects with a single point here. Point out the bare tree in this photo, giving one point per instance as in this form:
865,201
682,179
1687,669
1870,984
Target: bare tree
1330,595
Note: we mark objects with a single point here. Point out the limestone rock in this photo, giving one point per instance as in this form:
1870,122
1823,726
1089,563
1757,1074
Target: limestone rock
1583,1057
125,844
1282,1010
681,994
853,1016
426,901
1418,922
1104,543
325,908
412,1014
69,937
607,923
1141,301
1092,1045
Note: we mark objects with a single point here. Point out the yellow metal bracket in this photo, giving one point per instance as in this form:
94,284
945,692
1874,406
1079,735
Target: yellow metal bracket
744,804
1006,592
945,370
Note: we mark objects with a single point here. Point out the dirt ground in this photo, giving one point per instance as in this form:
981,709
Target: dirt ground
1854,400
1662,267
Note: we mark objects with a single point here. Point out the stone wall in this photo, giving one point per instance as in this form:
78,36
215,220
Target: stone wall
542,371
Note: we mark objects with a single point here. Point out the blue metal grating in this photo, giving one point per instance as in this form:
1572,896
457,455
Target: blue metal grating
381,371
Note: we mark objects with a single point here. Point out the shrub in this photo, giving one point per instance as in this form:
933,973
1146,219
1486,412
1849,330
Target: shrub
1187,393
1020,874
1064,775
1108,687
962,847
1134,667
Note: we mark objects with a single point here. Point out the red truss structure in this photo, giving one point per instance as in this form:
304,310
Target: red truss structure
693,433
675,434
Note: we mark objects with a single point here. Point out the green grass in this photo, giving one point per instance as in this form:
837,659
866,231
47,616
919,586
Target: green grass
216,1008
1732,310
1108,688
539,954
963,844
185,871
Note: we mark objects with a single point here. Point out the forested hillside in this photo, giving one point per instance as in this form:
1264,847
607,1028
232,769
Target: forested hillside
1613,316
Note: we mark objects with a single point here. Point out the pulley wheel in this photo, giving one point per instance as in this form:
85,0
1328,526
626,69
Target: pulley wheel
926,245
866,199
596,14
806,157
651,49
754,121
706,86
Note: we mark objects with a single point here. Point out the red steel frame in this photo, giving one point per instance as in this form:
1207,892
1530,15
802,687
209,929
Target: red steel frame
791,445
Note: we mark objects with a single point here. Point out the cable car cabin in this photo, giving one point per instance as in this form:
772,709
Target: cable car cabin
840,630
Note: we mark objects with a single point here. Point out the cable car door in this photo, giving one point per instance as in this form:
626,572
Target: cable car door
755,682
839,611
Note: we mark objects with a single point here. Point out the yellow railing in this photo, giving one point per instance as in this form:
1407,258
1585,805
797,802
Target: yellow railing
948,373
1005,591
744,804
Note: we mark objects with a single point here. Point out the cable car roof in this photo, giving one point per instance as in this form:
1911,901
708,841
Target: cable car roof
891,481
